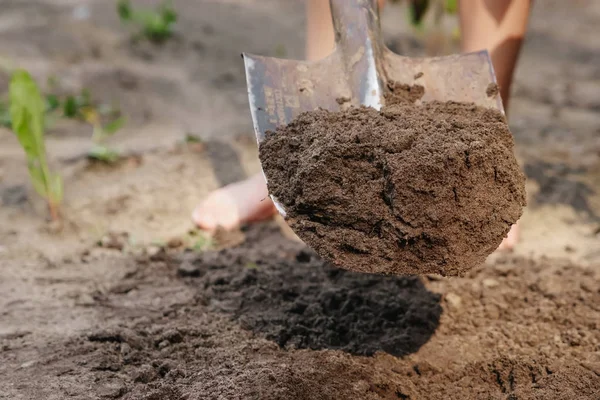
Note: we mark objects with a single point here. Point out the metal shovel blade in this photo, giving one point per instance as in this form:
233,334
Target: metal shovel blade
358,71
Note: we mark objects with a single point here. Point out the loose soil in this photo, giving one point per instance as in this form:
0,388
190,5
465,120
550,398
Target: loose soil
410,189
269,320
139,318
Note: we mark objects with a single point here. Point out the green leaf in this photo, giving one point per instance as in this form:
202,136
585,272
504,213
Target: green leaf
27,110
52,102
169,15
112,127
155,25
191,138
416,11
124,10
55,192
38,179
70,107
451,6
27,113
104,154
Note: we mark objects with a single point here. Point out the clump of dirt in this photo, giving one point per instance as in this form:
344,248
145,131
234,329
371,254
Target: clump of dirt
411,189
492,90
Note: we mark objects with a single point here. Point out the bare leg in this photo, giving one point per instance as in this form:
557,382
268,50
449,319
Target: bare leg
498,26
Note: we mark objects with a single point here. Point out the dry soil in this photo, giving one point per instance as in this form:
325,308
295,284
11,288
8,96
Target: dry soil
140,318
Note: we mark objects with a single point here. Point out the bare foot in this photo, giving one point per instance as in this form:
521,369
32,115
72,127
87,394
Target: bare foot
235,204
511,239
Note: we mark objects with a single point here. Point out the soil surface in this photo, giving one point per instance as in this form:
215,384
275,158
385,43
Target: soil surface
269,320
410,189
112,306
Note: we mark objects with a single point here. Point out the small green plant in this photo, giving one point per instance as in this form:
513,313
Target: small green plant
52,104
155,25
417,9
74,105
451,6
100,150
27,112
82,107
191,138
197,240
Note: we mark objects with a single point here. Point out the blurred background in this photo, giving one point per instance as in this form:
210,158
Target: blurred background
148,113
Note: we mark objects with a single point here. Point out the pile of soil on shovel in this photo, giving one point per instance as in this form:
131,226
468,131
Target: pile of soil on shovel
411,189
270,320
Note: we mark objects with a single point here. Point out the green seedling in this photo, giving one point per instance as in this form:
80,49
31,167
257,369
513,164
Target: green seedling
74,105
81,107
191,138
104,154
27,111
155,25
197,240
417,9
52,104
202,243
416,12
451,6
100,151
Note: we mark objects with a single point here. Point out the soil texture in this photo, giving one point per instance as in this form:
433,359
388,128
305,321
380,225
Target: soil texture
111,307
305,303
411,189
254,330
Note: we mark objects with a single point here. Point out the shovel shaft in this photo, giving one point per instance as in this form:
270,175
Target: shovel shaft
358,39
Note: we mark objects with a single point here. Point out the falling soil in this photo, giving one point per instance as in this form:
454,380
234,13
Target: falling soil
412,189
270,320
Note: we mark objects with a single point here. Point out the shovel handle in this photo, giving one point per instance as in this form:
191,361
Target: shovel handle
358,39
355,22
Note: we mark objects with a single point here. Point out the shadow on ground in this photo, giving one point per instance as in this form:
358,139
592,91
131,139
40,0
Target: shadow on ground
298,301
559,185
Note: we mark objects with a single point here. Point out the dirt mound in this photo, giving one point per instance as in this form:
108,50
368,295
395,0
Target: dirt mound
514,330
413,189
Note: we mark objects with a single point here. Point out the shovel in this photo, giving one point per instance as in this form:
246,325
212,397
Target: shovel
357,73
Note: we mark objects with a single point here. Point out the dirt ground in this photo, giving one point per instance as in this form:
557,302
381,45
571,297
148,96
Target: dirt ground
260,316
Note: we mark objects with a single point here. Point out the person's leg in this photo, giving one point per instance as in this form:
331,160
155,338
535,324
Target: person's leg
498,26
248,201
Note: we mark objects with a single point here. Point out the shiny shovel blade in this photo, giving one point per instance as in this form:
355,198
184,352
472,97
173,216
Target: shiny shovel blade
358,71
